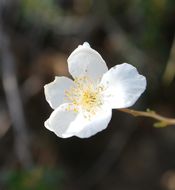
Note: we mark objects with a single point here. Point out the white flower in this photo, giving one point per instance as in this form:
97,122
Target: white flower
84,106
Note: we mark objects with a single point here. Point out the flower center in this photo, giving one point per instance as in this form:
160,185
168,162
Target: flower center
85,96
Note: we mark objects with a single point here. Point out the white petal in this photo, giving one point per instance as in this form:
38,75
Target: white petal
60,120
85,61
68,123
93,125
55,91
124,85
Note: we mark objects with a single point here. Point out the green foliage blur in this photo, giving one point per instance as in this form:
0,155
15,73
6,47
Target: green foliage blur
35,179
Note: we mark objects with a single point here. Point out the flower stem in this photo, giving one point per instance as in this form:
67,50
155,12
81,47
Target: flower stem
161,120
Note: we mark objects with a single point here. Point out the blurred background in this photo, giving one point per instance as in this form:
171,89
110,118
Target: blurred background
36,37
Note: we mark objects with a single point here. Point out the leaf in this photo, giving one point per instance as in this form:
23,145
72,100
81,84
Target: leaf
160,124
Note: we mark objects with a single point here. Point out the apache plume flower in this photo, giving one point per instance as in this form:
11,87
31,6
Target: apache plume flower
83,106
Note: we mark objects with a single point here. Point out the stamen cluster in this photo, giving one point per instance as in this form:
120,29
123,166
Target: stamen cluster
85,95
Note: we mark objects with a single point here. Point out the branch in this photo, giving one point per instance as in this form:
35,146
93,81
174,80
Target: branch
161,120
11,90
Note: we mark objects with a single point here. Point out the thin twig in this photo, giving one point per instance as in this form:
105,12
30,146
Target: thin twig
162,121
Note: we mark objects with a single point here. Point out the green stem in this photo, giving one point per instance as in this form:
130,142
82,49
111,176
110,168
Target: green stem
162,121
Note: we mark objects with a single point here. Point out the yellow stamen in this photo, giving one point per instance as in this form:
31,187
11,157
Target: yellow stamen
85,95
